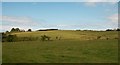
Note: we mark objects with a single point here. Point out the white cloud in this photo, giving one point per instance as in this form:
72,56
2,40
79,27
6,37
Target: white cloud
90,4
9,22
93,3
113,21
113,18
17,20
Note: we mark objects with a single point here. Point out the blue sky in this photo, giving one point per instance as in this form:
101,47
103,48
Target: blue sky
61,15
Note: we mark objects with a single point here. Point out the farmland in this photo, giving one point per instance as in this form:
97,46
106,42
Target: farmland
73,47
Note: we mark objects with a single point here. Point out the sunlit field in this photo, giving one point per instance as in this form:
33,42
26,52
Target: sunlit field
73,47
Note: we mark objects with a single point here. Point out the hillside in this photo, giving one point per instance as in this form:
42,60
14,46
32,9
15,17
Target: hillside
73,47
73,35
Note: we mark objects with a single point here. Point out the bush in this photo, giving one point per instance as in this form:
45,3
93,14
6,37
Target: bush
14,38
11,38
98,37
4,37
44,38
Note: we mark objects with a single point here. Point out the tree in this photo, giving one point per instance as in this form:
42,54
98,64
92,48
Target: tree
109,30
29,30
7,31
17,30
12,30
118,29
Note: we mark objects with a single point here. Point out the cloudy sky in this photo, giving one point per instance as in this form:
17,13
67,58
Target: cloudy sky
91,14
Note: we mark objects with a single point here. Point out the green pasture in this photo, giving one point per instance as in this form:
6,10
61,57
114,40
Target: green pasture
74,47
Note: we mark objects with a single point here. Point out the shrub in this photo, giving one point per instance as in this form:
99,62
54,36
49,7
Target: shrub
98,37
107,38
44,37
4,36
11,38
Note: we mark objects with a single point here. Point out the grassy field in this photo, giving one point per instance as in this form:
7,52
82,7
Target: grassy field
74,47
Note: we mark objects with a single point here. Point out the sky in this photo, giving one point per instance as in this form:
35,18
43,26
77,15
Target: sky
60,0
60,15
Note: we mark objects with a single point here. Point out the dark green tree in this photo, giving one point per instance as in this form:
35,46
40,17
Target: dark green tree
118,29
7,31
12,30
29,30
17,30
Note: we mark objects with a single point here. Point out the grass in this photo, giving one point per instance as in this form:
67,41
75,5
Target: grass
76,35
72,48
0,52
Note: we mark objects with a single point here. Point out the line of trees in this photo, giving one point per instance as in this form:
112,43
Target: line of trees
19,30
47,30
30,30
118,29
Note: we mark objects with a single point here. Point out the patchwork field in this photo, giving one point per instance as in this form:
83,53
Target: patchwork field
73,47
